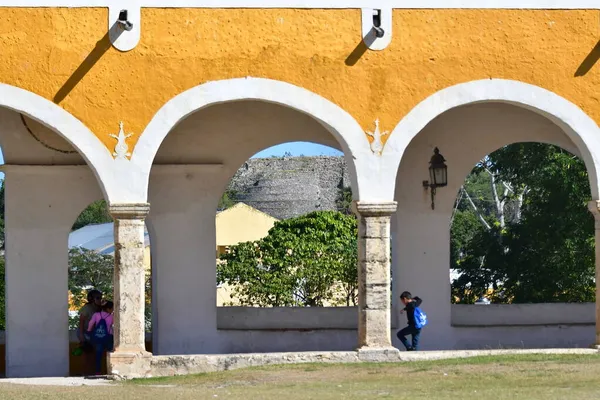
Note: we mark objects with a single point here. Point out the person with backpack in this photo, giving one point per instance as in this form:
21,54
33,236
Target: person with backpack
86,347
416,321
101,332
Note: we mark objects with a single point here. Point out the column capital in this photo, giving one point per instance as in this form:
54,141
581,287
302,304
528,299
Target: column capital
375,209
129,210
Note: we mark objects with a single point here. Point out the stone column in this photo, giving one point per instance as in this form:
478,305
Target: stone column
594,207
130,358
374,319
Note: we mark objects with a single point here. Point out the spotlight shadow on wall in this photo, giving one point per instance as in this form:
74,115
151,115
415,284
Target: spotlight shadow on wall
589,61
360,49
96,54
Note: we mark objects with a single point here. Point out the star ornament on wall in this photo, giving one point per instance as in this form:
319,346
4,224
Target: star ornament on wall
121,148
377,143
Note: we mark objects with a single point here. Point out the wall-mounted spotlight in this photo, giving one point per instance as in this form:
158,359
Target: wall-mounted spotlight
438,174
379,32
123,21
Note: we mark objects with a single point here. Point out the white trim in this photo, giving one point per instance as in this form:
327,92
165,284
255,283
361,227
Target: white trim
67,126
124,40
317,4
581,129
368,34
346,130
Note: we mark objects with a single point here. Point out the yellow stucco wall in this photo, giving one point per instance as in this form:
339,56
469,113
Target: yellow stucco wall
64,55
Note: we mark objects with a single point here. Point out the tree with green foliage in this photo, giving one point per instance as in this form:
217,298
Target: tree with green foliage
228,199
95,213
535,240
344,200
304,261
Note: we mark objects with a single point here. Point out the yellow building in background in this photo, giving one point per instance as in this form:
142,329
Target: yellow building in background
241,223
238,224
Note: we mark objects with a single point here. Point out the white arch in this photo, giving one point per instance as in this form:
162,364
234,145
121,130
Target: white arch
580,128
345,129
67,126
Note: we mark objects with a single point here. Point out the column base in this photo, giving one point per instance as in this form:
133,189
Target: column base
378,354
128,365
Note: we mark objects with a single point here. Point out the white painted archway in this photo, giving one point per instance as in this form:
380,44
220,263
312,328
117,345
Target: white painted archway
362,163
96,155
577,125
485,115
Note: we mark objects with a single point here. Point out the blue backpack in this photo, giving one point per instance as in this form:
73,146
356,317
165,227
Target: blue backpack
100,332
420,318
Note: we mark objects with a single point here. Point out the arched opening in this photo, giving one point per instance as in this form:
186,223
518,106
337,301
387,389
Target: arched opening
191,172
422,251
522,238
266,190
45,180
286,242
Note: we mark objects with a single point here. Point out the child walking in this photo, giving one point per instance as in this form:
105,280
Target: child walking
101,332
415,322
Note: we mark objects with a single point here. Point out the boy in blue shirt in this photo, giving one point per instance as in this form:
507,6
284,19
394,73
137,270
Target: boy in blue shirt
410,304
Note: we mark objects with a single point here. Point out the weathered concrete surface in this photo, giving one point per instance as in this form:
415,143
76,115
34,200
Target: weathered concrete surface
374,315
70,381
182,365
127,365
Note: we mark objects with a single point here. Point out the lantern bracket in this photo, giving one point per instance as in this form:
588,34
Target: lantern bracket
438,172
377,27
432,188
124,25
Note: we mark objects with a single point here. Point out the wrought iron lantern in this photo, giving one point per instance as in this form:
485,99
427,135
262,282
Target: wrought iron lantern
438,174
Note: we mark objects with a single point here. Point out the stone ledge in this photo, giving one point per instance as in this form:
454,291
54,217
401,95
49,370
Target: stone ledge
379,354
195,364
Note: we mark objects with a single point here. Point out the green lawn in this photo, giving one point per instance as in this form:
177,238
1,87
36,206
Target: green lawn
505,377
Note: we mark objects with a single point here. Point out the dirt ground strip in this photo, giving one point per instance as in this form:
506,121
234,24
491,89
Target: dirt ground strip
539,376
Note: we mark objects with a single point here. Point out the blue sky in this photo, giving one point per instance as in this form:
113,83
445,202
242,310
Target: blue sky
298,149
